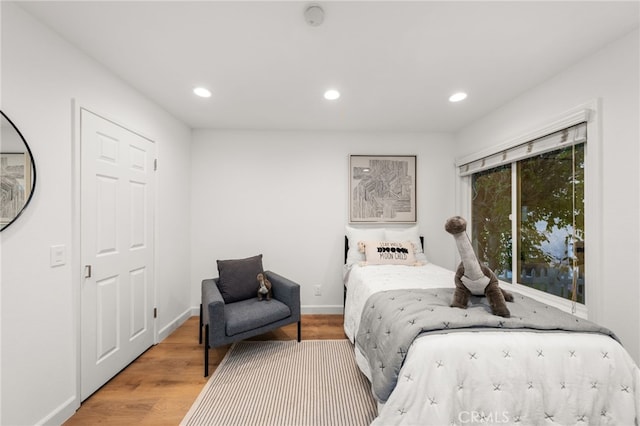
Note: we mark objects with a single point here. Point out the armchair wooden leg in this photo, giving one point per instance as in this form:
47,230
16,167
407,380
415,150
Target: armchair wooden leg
206,350
299,330
200,329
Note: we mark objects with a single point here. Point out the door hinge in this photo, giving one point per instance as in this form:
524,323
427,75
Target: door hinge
155,164
155,312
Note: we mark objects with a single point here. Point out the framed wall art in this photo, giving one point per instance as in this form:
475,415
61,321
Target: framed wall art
15,184
382,188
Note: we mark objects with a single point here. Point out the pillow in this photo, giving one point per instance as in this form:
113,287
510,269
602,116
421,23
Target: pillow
389,253
238,278
355,235
407,234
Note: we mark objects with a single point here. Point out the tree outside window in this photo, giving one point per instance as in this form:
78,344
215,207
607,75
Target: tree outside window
549,193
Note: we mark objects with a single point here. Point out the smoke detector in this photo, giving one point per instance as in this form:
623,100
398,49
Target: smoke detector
314,15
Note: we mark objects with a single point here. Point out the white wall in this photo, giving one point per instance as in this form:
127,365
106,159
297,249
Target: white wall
611,75
40,75
285,195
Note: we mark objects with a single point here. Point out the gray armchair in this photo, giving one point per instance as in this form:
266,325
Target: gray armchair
226,323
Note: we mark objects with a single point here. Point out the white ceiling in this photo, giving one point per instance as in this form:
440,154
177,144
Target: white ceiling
395,63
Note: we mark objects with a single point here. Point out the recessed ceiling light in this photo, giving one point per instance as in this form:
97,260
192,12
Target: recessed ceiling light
331,95
202,92
457,97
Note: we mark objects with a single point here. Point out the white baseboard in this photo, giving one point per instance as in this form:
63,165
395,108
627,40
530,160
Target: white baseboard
322,309
195,312
173,325
62,413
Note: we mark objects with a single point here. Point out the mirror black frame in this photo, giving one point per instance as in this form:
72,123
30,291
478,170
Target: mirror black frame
33,173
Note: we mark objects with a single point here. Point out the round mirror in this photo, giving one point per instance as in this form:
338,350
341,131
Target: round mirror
17,172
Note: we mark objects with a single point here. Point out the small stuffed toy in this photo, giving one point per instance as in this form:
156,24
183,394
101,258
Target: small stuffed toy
472,277
264,291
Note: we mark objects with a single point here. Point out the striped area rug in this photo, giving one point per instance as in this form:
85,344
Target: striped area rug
280,383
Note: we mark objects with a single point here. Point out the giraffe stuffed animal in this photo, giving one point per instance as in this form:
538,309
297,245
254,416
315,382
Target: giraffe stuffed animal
473,278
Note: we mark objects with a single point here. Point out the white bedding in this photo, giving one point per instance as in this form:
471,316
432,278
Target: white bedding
363,281
495,377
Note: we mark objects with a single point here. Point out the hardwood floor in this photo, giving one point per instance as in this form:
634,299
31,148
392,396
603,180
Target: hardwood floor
159,387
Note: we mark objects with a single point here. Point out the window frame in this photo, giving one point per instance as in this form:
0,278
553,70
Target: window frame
589,113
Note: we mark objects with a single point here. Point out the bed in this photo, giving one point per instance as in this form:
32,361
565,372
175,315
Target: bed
455,367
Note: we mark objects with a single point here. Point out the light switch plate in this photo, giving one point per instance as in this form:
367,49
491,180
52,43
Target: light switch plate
58,255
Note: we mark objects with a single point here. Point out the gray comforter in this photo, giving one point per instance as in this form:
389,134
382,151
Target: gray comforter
391,320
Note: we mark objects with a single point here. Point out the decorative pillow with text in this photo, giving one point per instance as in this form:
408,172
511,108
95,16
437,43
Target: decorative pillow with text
388,253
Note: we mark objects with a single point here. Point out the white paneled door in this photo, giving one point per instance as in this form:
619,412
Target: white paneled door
117,213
